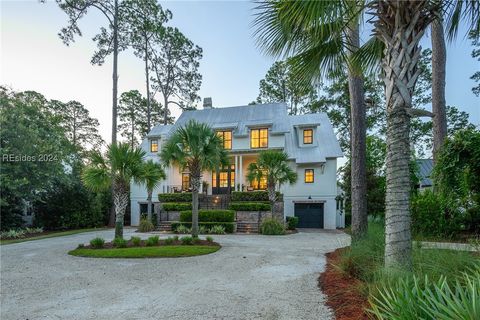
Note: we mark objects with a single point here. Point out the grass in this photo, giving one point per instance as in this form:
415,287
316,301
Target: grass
51,235
146,252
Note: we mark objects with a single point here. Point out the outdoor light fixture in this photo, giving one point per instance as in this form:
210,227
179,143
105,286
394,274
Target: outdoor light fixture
309,197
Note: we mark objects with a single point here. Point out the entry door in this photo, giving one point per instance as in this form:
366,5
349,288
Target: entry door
310,215
223,181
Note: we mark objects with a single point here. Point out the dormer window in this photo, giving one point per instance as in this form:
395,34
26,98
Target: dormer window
307,136
259,138
226,138
154,145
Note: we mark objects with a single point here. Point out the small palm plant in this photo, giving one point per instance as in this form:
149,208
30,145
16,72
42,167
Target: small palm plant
194,147
115,170
272,165
151,175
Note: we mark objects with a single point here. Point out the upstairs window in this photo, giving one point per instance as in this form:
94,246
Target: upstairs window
259,138
154,145
226,138
307,136
309,176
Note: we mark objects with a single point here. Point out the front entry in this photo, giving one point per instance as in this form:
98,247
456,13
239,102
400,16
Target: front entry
223,181
310,215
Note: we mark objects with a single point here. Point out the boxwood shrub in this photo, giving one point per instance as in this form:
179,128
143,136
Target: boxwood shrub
253,196
177,206
209,216
250,206
175,197
292,222
228,226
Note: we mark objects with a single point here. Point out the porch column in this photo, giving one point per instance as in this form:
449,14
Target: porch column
240,179
236,174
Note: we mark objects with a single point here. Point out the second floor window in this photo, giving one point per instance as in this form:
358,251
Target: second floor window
226,138
154,145
309,176
259,138
308,136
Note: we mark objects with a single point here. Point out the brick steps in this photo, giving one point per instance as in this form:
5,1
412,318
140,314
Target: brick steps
247,227
165,226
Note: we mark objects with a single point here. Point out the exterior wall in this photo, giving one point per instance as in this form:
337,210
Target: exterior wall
324,189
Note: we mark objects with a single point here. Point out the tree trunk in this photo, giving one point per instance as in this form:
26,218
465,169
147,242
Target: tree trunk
120,202
439,53
148,86
115,74
195,180
358,142
165,114
272,195
401,29
149,205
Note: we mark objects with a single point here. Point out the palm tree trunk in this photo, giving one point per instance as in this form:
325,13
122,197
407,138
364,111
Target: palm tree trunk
400,27
272,196
195,181
439,53
149,205
358,141
120,202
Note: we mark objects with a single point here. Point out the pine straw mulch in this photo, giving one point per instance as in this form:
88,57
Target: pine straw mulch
343,292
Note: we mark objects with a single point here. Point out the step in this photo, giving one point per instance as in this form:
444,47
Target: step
165,226
247,227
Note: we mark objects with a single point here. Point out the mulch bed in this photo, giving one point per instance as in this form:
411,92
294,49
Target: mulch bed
342,291
110,245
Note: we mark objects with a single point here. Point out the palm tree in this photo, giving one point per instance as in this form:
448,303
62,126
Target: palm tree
323,37
273,166
194,147
120,165
151,175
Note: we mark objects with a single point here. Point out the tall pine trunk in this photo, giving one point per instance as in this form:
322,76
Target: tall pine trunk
165,114
358,141
147,78
439,57
400,26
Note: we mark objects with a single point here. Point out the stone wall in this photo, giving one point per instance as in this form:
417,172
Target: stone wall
259,216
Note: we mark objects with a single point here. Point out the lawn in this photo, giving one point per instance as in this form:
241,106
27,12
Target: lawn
146,252
50,235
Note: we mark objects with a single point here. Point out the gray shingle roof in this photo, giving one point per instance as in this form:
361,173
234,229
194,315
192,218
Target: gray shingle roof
425,167
273,115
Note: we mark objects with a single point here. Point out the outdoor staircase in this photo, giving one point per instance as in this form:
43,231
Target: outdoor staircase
219,201
165,226
247,227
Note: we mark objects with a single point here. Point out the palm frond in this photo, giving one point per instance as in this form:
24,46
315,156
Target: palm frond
456,11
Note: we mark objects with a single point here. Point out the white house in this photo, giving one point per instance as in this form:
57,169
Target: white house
308,140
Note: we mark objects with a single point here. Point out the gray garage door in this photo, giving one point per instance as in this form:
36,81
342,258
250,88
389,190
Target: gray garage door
310,215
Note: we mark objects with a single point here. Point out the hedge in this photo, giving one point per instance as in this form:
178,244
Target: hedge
229,226
250,206
175,197
177,206
253,196
209,216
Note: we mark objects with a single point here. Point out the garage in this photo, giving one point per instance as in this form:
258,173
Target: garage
310,215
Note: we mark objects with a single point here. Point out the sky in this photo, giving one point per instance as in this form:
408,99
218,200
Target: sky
32,57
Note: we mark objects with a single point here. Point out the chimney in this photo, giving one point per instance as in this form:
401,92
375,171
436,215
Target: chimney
207,103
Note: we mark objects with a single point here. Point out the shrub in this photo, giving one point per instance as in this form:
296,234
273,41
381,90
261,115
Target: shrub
209,216
202,230
272,226
196,240
120,242
145,225
175,238
33,230
209,239
80,246
253,196
217,229
186,240
152,241
422,298
168,241
292,223
136,241
182,229
228,227
12,234
250,206
97,242
177,206
175,197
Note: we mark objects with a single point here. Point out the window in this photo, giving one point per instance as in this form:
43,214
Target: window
262,184
223,178
226,138
309,176
185,181
154,145
308,136
258,138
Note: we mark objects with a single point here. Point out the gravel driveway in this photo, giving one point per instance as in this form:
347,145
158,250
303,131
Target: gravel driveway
251,277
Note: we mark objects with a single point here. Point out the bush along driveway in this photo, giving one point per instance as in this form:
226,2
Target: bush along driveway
250,277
